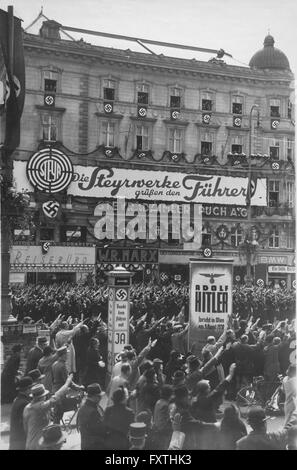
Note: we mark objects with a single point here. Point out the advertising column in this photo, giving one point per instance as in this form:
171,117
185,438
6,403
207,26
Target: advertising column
119,283
210,299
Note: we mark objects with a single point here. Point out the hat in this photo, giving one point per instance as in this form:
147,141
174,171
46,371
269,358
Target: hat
62,351
193,360
210,338
177,326
181,392
51,436
137,430
24,383
42,340
202,386
256,415
17,347
38,391
179,378
35,375
94,389
157,361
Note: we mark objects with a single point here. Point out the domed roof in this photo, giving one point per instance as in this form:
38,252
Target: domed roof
269,57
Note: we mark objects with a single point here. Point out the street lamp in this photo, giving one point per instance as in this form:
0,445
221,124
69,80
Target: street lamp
250,248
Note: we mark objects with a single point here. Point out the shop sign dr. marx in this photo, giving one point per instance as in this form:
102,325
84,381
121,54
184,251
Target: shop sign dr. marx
210,298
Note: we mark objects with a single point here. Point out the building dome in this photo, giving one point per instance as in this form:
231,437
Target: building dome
269,57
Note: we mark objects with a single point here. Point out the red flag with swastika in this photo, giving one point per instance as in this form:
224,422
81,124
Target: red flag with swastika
14,91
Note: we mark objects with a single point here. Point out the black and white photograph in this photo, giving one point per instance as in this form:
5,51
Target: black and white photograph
148,227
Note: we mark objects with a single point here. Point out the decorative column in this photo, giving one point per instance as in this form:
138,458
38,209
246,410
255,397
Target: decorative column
119,284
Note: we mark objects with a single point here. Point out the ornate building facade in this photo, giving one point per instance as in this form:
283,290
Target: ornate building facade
137,113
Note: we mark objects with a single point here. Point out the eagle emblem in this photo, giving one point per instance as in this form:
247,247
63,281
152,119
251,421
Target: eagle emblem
212,276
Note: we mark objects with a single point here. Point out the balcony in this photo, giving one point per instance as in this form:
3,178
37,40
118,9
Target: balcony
279,210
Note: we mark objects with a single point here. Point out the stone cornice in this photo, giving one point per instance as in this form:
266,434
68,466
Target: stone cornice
50,108
109,116
207,126
140,119
176,122
205,70
238,129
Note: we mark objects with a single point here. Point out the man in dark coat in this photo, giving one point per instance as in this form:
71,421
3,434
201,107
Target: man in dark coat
117,420
207,401
9,375
60,374
90,420
17,436
259,438
36,353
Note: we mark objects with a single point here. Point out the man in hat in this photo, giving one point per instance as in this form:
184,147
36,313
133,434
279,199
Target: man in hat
259,438
36,376
52,438
158,366
117,419
17,436
197,373
178,379
162,428
60,374
137,436
179,338
36,353
90,420
10,374
36,414
64,337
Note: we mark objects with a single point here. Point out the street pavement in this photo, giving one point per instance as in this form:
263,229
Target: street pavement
73,437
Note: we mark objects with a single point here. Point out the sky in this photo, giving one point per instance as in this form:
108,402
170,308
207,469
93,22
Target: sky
237,26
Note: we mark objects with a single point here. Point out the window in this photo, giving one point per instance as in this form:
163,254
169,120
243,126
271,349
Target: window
206,101
236,236
290,193
273,193
46,234
50,124
206,143
142,94
108,132
290,239
175,97
72,233
274,239
235,148
236,145
290,107
50,81
237,104
206,236
275,108
23,235
142,138
109,89
274,150
175,140
290,149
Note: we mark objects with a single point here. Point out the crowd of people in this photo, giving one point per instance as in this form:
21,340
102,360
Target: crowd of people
48,301
159,395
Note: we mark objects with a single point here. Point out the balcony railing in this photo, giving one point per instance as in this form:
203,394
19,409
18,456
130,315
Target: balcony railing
281,210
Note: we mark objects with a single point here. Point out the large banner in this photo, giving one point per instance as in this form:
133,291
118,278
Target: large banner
210,299
153,185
